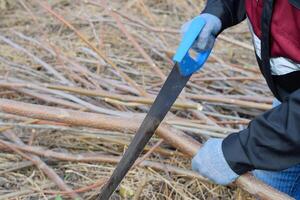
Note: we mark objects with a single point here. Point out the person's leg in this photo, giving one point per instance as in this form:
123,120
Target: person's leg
287,181
296,189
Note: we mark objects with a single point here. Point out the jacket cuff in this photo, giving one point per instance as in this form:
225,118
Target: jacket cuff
235,154
214,8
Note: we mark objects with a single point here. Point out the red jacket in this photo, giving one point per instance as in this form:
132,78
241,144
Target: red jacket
272,140
285,27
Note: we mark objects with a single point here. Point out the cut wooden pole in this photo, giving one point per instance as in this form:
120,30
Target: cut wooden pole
41,165
174,137
94,158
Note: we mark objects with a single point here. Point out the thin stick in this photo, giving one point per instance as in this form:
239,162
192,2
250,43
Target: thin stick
39,163
174,137
86,41
94,158
38,60
131,38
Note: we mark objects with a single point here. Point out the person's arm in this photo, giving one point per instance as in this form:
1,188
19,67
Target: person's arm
271,141
230,12
218,15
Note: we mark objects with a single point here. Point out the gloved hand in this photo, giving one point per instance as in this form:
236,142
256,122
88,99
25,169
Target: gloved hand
210,163
208,35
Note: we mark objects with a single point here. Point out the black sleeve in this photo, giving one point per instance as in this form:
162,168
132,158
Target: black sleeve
271,141
231,12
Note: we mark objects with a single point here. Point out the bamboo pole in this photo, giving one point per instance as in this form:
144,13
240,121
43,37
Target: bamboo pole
176,138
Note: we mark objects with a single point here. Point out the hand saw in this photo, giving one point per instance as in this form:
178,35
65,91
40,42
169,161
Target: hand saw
185,66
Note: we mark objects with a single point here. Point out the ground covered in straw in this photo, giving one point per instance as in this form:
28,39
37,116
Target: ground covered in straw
111,58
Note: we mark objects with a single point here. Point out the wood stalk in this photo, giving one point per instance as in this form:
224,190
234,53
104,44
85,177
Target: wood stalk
172,136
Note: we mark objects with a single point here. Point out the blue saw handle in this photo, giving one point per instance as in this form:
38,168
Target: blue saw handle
187,64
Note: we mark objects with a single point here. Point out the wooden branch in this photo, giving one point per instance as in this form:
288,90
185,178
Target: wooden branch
131,39
107,96
96,158
48,67
150,100
247,104
40,164
174,137
236,42
94,48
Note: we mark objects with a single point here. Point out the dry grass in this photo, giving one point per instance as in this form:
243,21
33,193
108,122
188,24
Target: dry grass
38,52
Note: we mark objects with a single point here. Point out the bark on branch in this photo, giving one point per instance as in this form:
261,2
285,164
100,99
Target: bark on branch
174,137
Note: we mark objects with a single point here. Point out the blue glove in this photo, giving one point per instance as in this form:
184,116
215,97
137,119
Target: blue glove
210,163
207,36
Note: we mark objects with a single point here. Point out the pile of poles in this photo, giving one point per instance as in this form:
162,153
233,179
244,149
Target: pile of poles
76,79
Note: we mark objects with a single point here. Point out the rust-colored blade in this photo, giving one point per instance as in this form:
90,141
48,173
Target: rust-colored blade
162,104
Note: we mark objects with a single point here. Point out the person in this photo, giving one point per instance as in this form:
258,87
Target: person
270,145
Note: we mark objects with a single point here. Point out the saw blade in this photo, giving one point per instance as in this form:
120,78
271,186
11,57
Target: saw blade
162,104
